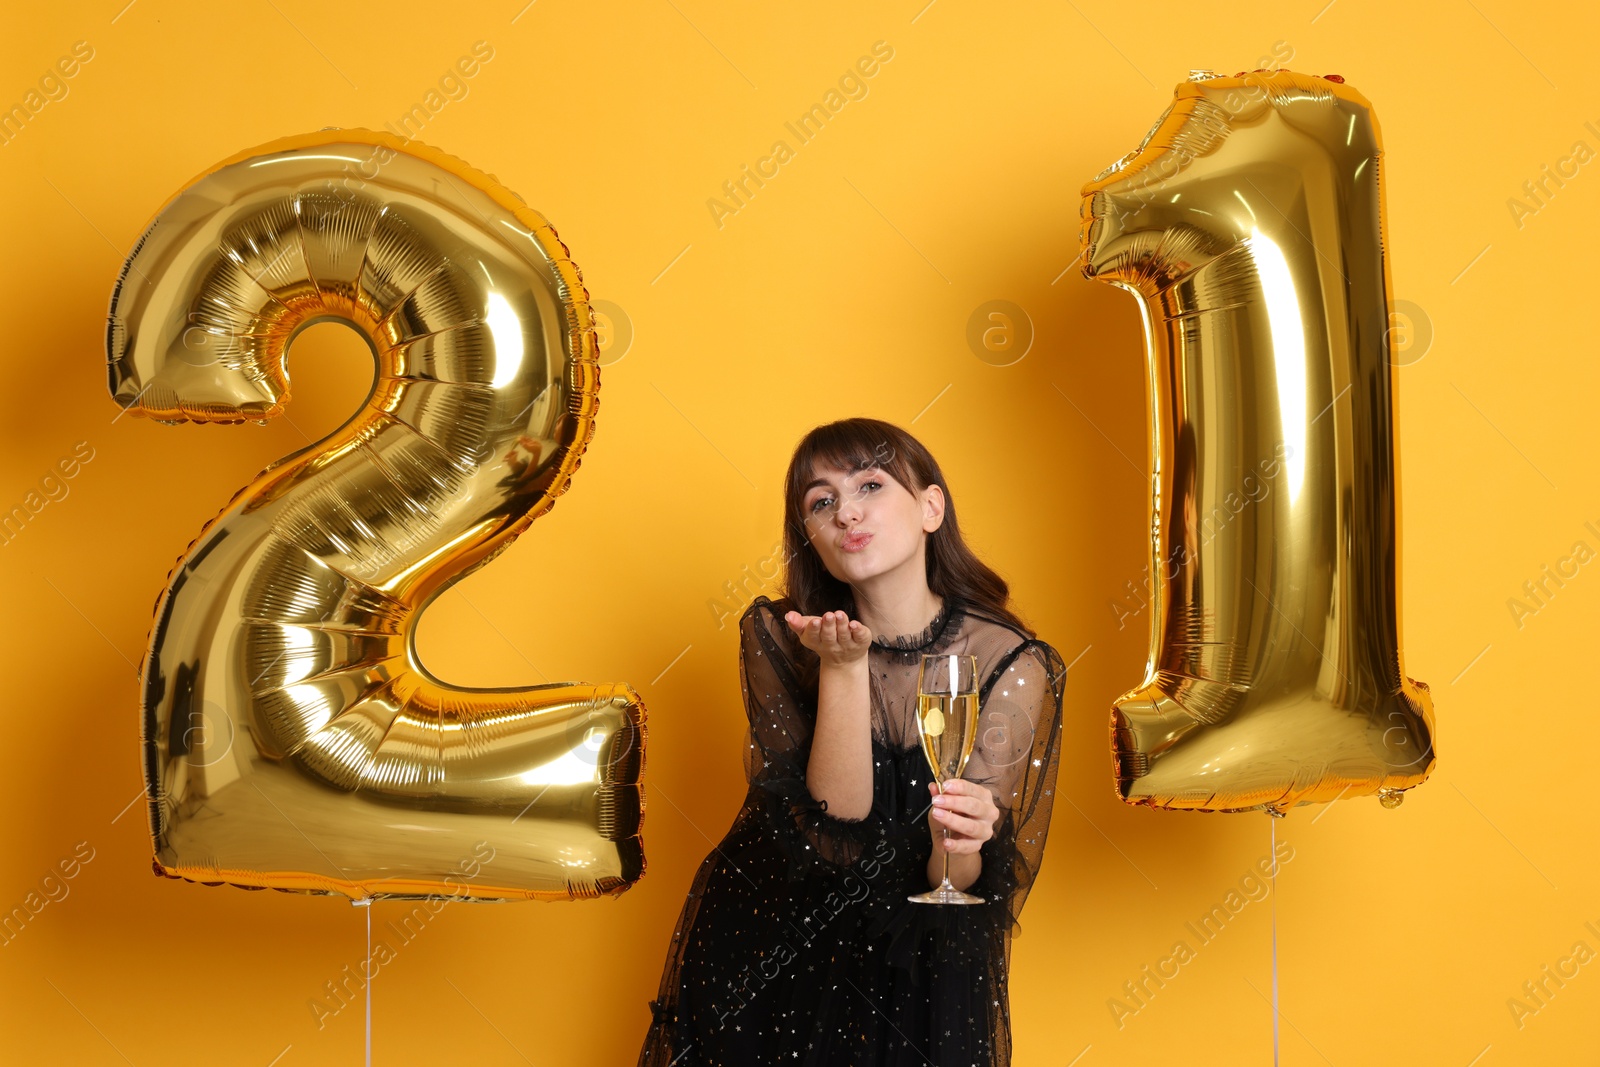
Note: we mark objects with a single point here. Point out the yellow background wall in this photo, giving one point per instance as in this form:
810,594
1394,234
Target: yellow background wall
843,287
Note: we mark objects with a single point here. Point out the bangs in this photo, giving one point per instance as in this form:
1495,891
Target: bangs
848,448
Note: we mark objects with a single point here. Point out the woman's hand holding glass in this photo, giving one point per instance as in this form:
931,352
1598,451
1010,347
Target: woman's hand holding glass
967,811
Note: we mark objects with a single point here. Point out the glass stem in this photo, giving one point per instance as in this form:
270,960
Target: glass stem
944,882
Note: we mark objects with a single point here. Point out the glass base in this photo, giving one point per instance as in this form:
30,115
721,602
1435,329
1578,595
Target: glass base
946,894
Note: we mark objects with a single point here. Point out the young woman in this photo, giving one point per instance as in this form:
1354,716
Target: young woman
797,943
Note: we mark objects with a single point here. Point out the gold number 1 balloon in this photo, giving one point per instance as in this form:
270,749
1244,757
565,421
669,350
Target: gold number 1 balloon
292,738
1249,226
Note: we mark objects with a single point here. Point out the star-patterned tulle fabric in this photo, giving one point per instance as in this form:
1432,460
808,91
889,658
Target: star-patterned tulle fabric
796,944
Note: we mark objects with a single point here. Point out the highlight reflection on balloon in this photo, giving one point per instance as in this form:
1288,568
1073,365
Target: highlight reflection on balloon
1249,226
292,738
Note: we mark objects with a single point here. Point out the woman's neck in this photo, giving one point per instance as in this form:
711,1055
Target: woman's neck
909,613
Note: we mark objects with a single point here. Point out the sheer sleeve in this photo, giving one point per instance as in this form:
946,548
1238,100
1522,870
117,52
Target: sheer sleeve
778,675
1016,754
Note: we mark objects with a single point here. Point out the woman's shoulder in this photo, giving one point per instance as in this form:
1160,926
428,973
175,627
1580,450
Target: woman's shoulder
765,609
1011,644
998,630
764,631
767,615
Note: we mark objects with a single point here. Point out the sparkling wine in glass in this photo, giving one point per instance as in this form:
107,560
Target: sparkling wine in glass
947,721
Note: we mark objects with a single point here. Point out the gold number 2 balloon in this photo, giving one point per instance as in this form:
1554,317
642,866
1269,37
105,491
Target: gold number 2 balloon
292,738
1249,226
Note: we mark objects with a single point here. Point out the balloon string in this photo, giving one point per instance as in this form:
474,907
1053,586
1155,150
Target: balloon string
368,910
1274,824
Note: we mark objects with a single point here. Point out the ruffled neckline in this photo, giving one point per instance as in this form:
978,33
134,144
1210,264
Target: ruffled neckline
924,638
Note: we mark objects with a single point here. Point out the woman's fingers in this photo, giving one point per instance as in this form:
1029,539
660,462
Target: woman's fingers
964,811
959,824
959,796
968,806
814,628
958,842
833,632
805,627
839,631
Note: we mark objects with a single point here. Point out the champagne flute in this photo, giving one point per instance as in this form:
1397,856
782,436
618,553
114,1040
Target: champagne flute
947,720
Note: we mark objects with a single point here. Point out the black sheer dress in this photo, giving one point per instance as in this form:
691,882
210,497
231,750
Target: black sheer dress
797,944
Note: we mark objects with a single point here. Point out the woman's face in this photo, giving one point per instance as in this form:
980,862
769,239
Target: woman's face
864,523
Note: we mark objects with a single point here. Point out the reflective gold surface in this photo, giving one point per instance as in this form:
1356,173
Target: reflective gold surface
292,739
1249,226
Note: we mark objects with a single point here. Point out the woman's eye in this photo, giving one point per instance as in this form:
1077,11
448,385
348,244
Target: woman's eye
818,503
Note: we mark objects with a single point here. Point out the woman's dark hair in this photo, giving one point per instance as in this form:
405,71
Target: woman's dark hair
856,444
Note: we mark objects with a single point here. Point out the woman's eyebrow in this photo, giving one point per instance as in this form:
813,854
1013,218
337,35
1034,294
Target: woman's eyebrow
813,483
